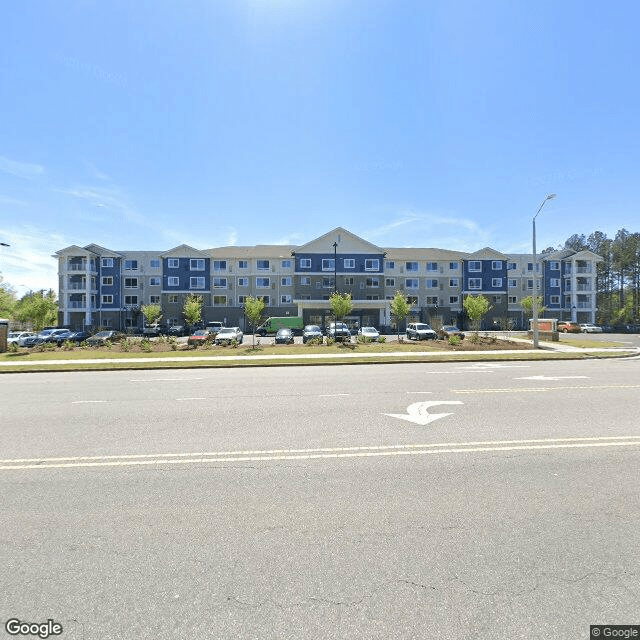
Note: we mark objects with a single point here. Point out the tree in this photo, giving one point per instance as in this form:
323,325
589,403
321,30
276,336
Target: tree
152,313
400,309
253,309
477,308
7,300
39,308
527,305
192,310
341,305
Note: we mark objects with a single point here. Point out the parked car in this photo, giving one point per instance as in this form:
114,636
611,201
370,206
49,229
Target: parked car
177,330
565,326
448,331
284,336
339,331
214,327
46,335
58,337
420,331
199,337
588,327
227,335
370,333
76,337
102,337
17,336
310,332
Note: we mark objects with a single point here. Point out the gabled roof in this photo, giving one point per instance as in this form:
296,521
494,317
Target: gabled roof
413,253
347,243
586,255
487,254
101,251
257,251
74,249
184,251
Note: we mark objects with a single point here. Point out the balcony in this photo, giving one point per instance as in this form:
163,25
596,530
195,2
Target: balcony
583,270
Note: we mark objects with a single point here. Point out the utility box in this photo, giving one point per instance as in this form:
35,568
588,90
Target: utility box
4,332
547,329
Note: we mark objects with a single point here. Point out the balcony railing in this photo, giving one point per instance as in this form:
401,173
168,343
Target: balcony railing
583,269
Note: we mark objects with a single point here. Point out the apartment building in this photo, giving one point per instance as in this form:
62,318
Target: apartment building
100,287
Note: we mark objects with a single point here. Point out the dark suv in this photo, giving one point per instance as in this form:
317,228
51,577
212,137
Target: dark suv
339,331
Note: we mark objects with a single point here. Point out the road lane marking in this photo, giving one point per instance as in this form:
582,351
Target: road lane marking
559,388
552,377
320,453
87,401
164,379
192,398
333,395
419,391
418,412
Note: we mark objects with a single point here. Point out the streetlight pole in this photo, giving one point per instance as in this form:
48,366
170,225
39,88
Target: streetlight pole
534,306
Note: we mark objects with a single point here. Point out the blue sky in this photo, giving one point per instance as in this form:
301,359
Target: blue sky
142,125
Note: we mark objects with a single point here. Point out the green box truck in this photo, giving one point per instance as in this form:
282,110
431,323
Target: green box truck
271,325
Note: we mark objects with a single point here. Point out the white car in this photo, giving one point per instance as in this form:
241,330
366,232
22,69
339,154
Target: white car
227,335
369,332
588,327
18,336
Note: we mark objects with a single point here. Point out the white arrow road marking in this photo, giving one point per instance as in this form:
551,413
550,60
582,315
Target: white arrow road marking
417,412
552,377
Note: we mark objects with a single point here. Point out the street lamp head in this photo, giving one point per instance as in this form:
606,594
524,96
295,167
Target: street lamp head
4,244
551,196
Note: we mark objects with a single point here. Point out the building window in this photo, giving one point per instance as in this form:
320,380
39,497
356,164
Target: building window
131,265
390,282
475,265
373,297
453,266
373,282
154,282
327,283
196,283
305,281
173,263
412,301
432,301
242,299
219,265
554,265
411,266
328,264
454,282
173,281
497,299
513,283
154,299
196,264
554,282
349,280
131,300
390,264
243,282
263,265
371,264
285,282
513,300
107,299
107,262
412,283
475,283
107,281
512,266
431,283
554,299
496,282
286,264
305,263
349,263
432,266
131,283
265,299
219,283
285,299
243,264
219,301
173,299
263,283
154,264
529,266
453,300
496,265
529,284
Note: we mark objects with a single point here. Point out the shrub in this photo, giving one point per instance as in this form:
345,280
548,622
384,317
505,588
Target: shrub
145,345
126,344
314,342
474,338
234,344
13,347
363,340
330,341
454,340
173,343
67,345
382,339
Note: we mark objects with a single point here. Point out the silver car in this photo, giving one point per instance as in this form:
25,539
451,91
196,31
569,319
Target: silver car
370,333
227,335
589,327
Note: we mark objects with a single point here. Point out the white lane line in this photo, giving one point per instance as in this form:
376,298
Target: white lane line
332,395
414,392
164,379
310,454
558,388
87,401
192,398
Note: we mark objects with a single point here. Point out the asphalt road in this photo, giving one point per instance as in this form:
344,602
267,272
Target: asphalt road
298,502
